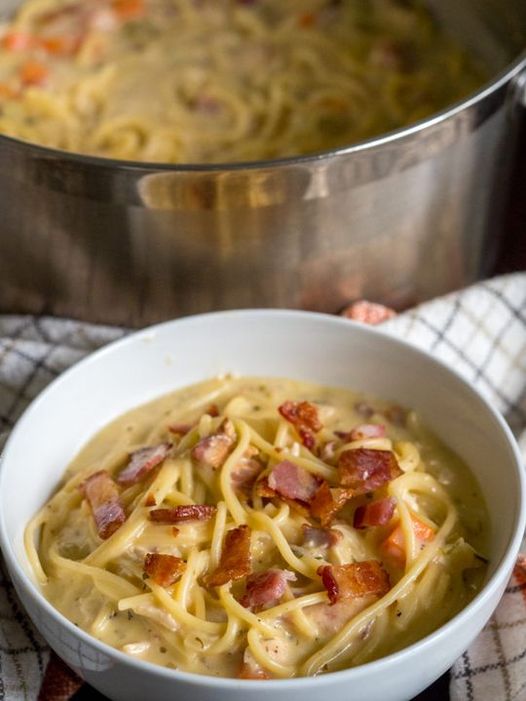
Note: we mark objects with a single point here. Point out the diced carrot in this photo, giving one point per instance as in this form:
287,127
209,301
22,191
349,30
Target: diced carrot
33,73
17,41
128,9
60,46
393,547
7,92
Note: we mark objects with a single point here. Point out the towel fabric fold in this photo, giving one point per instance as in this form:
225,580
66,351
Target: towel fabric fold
480,331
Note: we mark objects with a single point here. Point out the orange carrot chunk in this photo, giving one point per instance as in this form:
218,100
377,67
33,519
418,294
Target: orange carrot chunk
128,9
33,73
393,546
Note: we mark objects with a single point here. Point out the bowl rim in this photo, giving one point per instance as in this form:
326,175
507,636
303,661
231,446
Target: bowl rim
502,569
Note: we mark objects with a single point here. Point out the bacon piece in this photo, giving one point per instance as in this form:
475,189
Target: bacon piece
293,482
265,589
354,580
304,416
214,449
244,474
364,470
212,410
163,569
376,513
142,462
103,497
320,537
262,489
150,500
180,514
328,501
235,558
368,312
180,429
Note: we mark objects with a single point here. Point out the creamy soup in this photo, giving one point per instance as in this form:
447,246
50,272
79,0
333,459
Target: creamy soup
262,528
202,81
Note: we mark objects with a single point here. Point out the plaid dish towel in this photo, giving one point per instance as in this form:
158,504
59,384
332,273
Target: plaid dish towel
480,331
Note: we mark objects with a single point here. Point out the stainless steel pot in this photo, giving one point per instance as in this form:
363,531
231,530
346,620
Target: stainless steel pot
397,219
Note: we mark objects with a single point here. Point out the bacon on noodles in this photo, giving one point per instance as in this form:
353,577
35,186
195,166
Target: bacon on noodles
102,495
213,450
293,482
244,474
163,569
185,512
265,589
364,470
320,537
304,417
375,513
142,462
235,558
328,501
354,580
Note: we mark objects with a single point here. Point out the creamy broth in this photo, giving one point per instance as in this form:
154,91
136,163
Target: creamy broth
182,81
322,587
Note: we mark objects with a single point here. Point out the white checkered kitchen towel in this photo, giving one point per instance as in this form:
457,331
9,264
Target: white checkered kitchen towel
480,331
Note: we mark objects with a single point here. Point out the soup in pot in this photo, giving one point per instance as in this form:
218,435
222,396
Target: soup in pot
207,81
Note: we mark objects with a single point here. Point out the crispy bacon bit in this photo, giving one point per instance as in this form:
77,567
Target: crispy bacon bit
354,580
265,589
262,489
180,514
376,513
244,474
103,497
142,462
212,410
368,312
235,558
302,415
320,537
293,482
364,470
163,569
150,500
363,431
180,429
328,501
214,449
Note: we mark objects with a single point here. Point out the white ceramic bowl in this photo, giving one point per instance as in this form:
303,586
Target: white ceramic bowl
300,345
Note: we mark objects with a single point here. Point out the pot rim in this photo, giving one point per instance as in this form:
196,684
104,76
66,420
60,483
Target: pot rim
503,77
